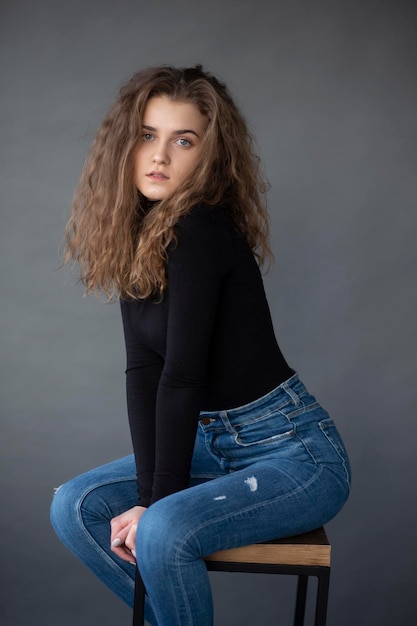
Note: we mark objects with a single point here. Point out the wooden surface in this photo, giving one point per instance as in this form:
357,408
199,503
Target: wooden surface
312,548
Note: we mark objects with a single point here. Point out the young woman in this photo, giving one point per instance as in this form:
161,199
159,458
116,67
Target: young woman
229,446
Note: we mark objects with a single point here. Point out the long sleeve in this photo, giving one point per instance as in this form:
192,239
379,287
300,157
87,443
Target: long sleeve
195,269
143,374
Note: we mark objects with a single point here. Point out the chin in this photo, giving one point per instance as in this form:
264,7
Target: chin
152,197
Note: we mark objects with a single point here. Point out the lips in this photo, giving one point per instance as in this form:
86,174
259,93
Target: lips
156,175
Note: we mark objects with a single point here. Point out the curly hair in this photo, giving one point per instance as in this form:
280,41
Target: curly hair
118,238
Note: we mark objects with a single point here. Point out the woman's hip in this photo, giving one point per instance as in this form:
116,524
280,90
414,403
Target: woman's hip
286,424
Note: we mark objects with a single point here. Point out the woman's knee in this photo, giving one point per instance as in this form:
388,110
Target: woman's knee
163,536
65,507
104,492
79,498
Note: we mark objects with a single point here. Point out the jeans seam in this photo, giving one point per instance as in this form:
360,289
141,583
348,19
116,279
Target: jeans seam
336,449
85,532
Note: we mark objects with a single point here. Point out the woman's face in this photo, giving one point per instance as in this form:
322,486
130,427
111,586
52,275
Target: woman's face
170,146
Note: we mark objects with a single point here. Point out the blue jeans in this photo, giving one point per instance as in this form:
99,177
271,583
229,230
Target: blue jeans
272,468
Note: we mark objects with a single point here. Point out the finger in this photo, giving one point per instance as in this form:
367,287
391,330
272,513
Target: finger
118,534
116,528
119,547
130,540
123,544
123,552
116,542
119,540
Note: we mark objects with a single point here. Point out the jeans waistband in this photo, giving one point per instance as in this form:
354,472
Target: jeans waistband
289,390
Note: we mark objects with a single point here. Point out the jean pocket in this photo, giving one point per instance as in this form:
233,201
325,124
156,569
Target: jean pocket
268,430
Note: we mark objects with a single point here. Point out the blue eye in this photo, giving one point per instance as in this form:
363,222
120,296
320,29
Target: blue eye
184,142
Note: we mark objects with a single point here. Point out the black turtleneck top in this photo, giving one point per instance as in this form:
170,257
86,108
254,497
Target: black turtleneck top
209,344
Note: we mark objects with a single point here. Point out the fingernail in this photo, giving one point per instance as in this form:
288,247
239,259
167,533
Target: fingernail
134,553
116,542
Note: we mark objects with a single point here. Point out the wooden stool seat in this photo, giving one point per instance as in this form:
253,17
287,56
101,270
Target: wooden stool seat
312,548
302,555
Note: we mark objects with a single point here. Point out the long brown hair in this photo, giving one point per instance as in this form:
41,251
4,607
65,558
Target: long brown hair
116,236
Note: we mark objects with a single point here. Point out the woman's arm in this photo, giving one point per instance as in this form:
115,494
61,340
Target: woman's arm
143,373
195,270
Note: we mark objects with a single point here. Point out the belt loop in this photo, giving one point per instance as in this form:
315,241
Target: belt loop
294,397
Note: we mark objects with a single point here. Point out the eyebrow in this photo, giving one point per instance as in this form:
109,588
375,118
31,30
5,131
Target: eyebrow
181,131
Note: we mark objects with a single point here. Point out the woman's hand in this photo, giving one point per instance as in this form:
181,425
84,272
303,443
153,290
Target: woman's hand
123,533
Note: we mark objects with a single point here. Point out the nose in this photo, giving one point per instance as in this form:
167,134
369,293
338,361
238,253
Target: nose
161,155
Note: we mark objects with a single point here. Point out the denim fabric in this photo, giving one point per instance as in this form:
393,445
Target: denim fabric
272,468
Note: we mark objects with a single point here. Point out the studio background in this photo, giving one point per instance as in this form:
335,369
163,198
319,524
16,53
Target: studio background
329,90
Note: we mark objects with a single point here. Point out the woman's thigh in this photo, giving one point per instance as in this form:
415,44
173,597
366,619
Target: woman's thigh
264,501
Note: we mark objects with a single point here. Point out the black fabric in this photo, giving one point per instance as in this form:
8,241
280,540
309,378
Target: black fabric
209,344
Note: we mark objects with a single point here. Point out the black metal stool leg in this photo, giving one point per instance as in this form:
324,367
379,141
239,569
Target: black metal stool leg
300,603
139,601
322,598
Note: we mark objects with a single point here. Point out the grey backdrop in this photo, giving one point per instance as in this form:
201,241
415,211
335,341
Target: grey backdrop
329,89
